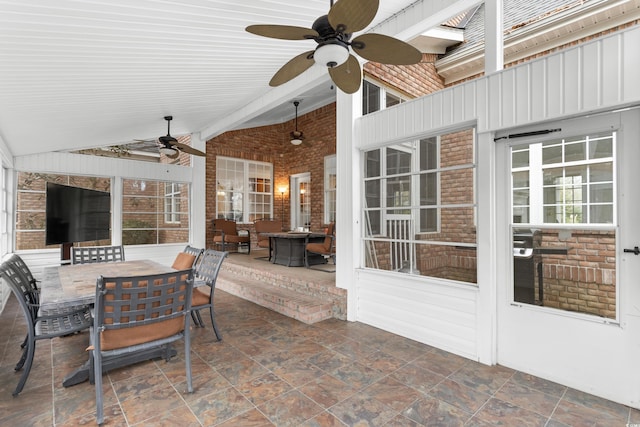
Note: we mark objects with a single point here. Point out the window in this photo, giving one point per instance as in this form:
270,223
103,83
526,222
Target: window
564,224
244,189
5,216
376,97
154,212
330,182
31,205
568,181
172,196
419,207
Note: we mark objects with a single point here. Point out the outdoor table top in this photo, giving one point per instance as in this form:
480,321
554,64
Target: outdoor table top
72,285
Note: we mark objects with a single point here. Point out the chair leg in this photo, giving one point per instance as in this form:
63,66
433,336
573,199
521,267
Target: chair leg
194,318
200,322
30,351
213,322
97,366
23,358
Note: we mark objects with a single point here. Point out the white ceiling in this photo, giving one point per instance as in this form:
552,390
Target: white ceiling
86,73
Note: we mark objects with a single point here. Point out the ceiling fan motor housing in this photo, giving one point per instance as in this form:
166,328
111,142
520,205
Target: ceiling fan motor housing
329,37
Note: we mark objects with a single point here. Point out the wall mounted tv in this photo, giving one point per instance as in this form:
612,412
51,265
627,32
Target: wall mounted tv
76,214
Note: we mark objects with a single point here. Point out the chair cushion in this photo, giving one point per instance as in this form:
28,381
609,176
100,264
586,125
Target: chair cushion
112,339
318,248
183,261
231,239
200,296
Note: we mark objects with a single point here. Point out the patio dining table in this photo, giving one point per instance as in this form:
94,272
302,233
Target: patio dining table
73,285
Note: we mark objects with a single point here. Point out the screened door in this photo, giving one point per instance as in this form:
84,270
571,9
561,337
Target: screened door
569,306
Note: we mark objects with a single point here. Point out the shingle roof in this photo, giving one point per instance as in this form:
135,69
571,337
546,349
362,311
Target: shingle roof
517,13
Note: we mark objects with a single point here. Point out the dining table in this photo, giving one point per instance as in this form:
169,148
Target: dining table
73,285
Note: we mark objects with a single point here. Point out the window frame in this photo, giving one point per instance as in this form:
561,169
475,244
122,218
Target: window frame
330,189
383,93
247,192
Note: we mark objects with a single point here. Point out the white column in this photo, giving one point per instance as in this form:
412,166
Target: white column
198,196
486,250
117,188
348,197
493,36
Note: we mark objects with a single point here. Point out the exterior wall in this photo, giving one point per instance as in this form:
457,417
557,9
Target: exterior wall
413,80
271,144
592,77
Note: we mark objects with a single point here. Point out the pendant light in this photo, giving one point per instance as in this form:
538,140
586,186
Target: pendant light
296,135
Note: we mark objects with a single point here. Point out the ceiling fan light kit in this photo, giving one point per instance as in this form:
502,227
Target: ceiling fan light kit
170,147
331,55
332,33
168,151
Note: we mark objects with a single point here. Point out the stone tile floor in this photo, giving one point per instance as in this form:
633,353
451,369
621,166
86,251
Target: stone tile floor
272,370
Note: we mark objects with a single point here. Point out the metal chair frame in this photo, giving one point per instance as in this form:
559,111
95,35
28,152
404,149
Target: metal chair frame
91,254
123,303
207,272
40,327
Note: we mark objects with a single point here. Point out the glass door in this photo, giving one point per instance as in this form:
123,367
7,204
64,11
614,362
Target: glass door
301,202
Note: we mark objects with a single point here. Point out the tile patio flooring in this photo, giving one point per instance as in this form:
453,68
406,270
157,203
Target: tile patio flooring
272,370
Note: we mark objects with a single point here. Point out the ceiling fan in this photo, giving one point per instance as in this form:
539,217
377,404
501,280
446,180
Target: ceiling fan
170,147
296,135
333,33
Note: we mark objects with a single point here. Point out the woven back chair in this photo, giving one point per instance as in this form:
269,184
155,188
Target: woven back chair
207,274
90,254
39,327
134,314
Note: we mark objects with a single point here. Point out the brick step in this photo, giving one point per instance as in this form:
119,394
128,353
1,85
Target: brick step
285,301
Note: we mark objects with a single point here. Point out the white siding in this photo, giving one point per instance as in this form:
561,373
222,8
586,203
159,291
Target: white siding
595,76
428,310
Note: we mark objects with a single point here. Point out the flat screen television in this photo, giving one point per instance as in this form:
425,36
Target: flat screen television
76,214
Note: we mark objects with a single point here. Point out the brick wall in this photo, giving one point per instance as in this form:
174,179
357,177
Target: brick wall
411,80
272,144
584,280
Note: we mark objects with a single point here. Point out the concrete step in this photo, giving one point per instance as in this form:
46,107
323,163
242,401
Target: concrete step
285,301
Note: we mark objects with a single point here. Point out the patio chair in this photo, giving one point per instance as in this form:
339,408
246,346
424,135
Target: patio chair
264,226
207,272
326,248
90,254
134,314
40,327
226,234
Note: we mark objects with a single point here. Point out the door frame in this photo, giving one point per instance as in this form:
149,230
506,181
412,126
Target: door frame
595,355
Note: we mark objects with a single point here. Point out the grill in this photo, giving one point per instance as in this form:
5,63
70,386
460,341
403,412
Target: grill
527,265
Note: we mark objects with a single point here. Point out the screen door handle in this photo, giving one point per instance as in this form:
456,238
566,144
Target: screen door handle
635,250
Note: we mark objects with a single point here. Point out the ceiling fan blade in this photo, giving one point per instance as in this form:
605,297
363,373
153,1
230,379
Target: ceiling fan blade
349,16
188,149
385,50
347,76
293,68
284,32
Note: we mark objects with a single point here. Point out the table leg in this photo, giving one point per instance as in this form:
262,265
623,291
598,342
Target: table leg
82,374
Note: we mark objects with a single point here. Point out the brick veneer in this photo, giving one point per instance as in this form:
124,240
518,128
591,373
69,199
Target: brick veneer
272,144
